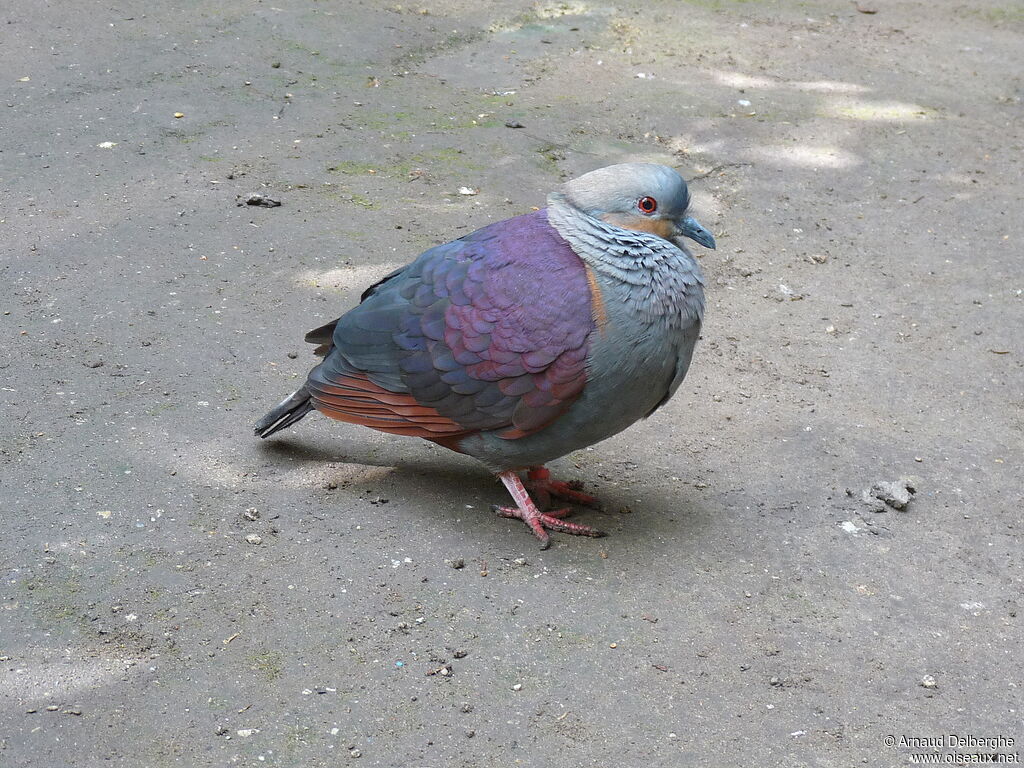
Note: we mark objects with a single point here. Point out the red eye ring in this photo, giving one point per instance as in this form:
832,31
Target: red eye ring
647,204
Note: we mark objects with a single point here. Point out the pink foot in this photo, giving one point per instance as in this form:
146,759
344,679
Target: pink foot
539,481
538,521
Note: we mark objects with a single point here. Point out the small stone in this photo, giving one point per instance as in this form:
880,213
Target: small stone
520,561
467,708
513,124
221,730
613,645
276,64
928,681
73,711
52,708
774,681
819,258
470,734
517,687
261,200
885,495
457,563
179,115
292,355
355,753
94,364
254,539
251,514
468,191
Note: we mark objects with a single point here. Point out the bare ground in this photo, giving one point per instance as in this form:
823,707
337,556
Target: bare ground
862,173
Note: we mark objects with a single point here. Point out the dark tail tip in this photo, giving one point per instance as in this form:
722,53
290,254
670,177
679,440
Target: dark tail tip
287,412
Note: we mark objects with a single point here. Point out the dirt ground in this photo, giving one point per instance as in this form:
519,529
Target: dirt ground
178,593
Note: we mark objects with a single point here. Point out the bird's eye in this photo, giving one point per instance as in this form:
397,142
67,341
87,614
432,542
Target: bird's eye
647,204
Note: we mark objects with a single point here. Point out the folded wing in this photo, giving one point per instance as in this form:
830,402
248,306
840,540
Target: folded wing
489,332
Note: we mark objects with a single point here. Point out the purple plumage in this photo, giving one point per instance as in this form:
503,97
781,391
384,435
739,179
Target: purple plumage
488,332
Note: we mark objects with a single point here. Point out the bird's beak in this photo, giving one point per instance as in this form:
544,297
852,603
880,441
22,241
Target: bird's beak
689,227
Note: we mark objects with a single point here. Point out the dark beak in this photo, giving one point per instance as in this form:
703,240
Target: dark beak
689,227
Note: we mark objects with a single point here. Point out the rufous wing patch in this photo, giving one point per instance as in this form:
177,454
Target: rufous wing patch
357,400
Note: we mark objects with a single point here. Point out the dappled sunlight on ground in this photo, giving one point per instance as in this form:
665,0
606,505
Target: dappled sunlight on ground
893,111
741,80
37,676
806,156
356,277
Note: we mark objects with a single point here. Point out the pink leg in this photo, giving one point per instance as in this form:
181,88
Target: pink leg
527,511
539,481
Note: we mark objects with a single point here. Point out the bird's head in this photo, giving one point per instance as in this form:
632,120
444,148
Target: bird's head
640,196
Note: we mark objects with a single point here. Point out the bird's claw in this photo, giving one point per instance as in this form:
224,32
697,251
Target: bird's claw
539,522
542,522
540,484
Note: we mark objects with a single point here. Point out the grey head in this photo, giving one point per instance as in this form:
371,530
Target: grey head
640,196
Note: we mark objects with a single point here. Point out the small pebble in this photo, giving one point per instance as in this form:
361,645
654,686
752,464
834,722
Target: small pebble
928,681
179,115
292,355
517,687
251,514
470,734
460,654
262,201
457,563
254,539
355,753
52,708
94,364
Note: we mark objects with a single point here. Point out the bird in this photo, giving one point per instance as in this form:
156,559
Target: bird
527,339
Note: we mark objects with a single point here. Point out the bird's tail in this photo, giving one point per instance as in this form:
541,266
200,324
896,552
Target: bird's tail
286,413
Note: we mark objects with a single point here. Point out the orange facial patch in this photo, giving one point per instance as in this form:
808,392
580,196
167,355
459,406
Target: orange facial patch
660,227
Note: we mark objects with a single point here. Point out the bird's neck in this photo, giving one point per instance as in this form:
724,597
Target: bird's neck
664,280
